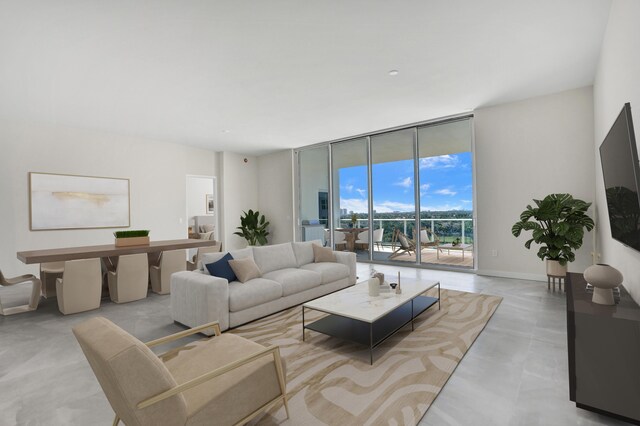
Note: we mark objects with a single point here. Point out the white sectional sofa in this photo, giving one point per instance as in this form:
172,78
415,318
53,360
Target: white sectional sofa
289,277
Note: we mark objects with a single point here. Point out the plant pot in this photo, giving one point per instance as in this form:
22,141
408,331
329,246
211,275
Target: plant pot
555,269
604,279
133,241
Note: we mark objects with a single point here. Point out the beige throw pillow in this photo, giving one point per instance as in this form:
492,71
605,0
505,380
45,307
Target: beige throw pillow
323,254
245,269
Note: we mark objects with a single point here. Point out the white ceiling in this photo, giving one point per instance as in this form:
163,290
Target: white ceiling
282,74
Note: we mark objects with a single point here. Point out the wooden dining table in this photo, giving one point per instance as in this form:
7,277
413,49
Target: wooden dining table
107,250
351,235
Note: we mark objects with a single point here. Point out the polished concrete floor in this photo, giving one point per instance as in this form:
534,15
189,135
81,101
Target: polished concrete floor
514,374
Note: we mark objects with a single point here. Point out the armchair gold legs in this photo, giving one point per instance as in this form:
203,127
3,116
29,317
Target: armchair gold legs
36,290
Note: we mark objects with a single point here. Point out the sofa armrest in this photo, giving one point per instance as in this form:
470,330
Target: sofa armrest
349,259
198,299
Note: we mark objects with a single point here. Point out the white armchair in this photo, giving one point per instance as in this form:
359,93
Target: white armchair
377,237
363,240
339,240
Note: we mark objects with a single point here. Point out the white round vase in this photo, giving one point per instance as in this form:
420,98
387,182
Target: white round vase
604,279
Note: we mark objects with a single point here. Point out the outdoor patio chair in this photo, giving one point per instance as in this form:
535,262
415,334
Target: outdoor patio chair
406,245
378,234
362,241
339,240
428,239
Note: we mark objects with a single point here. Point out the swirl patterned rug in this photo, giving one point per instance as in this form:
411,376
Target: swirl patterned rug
330,381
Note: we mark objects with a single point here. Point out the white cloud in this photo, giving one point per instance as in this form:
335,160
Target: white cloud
362,192
446,191
405,183
442,207
362,206
356,205
425,187
392,206
439,162
466,201
348,187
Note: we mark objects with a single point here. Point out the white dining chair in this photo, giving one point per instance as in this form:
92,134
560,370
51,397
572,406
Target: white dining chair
80,287
130,280
170,262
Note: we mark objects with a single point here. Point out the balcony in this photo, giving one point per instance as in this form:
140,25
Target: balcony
447,230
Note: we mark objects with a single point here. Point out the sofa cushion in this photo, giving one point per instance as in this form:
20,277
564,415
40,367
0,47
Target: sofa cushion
329,271
252,293
245,269
222,269
304,251
214,257
271,258
323,254
294,280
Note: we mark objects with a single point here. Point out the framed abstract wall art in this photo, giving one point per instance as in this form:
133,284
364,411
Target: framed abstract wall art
59,201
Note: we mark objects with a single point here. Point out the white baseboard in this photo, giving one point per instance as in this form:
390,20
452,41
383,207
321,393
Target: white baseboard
516,275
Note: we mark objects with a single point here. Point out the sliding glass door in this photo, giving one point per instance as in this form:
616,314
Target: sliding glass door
350,190
403,196
446,193
393,188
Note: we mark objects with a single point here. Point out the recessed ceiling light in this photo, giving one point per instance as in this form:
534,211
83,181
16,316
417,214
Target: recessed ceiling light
226,131
393,72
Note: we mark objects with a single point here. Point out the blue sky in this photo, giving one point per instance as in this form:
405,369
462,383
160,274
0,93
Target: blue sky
445,184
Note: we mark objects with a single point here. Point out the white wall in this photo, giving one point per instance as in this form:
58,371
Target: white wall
239,192
157,172
275,194
526,150
617,81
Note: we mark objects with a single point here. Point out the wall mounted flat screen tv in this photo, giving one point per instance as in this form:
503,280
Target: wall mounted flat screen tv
619,157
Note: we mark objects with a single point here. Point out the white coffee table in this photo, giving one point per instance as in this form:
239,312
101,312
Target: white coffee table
449,246
370,320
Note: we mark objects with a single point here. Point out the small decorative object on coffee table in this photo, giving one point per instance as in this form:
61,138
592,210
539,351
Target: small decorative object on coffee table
604,279
374,286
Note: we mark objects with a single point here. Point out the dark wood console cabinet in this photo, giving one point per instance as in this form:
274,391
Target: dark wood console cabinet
604,352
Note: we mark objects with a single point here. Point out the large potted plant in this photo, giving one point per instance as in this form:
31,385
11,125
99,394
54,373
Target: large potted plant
557,223
253,228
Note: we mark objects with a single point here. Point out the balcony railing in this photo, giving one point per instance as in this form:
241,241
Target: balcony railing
435,224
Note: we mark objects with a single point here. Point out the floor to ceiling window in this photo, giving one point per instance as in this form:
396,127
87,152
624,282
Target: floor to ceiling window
393,188
398,196
445,164
350,191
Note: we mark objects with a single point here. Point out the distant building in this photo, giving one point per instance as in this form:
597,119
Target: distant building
343,212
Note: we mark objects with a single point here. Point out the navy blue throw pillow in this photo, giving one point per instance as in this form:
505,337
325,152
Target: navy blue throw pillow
222,269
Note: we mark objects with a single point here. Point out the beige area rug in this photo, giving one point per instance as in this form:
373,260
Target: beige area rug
330,381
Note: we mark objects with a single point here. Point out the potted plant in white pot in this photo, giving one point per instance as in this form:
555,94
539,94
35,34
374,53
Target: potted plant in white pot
557,223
